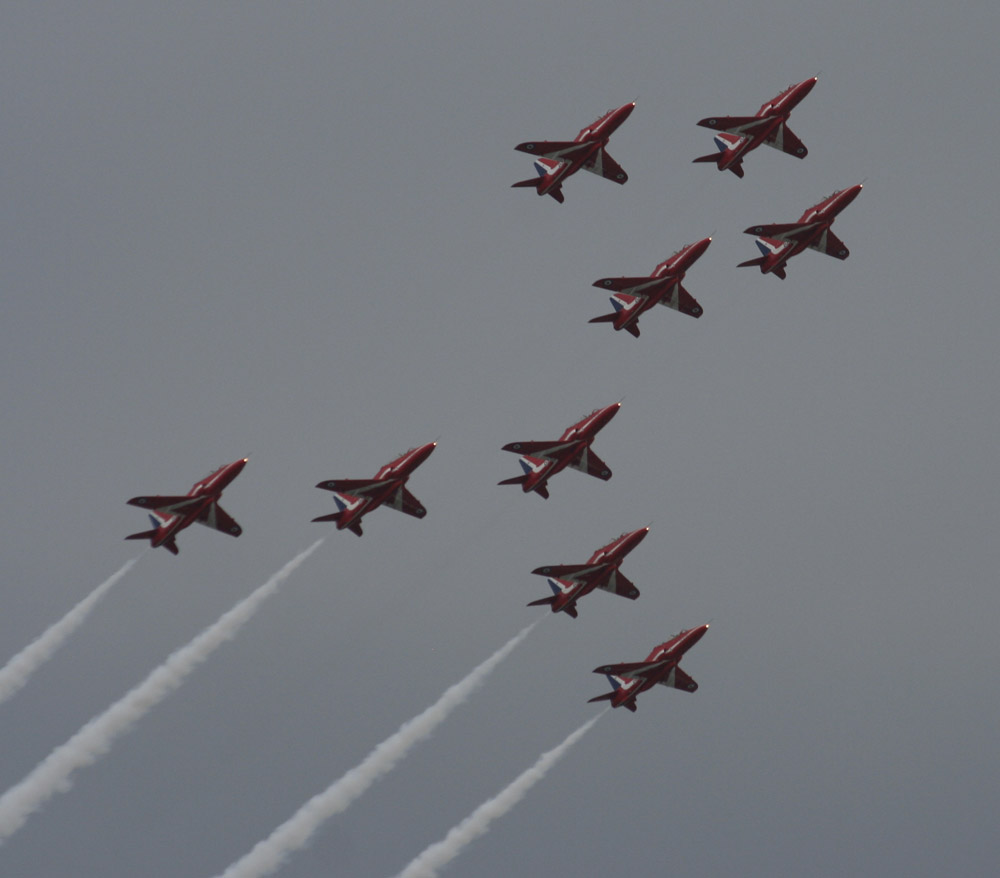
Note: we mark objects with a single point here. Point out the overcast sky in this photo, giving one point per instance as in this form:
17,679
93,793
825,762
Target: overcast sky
287,230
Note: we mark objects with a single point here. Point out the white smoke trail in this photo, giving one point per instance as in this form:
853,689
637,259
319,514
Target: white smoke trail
19,669
426,865
53,773
294,833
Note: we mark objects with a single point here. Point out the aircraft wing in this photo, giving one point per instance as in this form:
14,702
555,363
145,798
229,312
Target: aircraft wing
686,303
621,585
831,245
354,487
217,517
558,150
780,231
167,504
732,124
632,670
633,286
782,138
404,501
562,571
603,165
677,679
543,450
589,463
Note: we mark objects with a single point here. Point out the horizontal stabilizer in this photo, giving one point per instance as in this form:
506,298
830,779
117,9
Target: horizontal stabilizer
143,535
533,183
604,318
711,157
607,696
759,261
333,516
542,601
517,480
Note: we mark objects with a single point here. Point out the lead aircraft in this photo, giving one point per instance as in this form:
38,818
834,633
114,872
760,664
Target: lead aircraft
636,295
557,159
661,667
542,460
173,513
570,582
355,498
779,242
740,134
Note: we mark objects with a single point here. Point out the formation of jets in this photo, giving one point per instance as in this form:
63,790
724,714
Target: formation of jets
631,297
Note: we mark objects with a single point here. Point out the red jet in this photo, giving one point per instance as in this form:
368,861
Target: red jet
201,504
542,460
357,497
779,242
740,134
661,667
570,582
560,158
636,295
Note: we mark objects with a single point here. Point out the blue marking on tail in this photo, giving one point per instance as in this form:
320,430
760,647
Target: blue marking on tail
614,683
555,588
155,521
618,306
541,169
719,142
767,251
341,505
526,466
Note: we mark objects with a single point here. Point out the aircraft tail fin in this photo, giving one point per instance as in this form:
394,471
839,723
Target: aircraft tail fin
151,535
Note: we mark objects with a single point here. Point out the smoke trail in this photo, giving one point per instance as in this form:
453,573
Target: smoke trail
478,822
294,833
19,669
52,774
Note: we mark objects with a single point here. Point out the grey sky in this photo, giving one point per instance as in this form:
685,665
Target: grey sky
286,230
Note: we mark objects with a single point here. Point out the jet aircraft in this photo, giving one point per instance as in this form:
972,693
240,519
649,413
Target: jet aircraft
661,666
355,498
740,134
779,242
560,158
636,295
173,513
542,460
570,582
